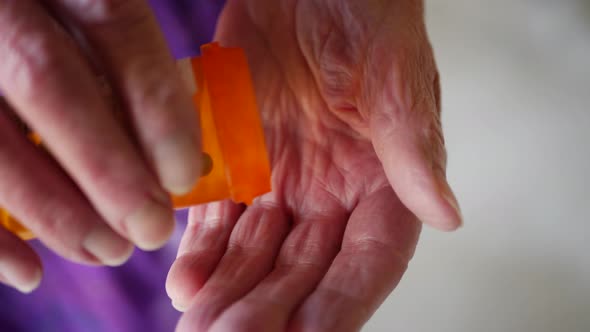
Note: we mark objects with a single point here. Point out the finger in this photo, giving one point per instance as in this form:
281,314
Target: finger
131,48
37,191
20,267
302,262
249,257
203,244
51,87
406,132
378,243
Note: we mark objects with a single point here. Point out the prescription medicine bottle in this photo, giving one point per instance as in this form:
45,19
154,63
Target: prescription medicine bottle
232,133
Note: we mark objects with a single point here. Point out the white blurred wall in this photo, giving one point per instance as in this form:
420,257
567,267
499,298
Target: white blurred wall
516,103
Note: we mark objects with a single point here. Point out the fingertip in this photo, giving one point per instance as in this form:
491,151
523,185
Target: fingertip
443,226
25,279
451,217
107,246
178,306
151,226
31,282
178,161
171,284
428,197
184,281
124,254
20,266
435,206
414,166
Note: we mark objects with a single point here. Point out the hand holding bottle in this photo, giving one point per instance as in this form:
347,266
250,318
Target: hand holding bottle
105,183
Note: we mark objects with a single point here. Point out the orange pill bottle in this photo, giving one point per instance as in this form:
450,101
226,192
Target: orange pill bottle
231,128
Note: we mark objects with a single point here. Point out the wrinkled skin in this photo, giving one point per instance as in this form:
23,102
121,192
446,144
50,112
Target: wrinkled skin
349,97
96,81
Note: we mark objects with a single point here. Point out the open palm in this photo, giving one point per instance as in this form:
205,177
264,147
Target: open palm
348,92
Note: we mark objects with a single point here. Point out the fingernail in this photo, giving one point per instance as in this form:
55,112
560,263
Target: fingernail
107,246
447,193
178,307
150,226
25,286
178,162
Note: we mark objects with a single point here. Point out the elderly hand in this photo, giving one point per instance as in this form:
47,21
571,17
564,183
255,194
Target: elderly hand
349,95
102,188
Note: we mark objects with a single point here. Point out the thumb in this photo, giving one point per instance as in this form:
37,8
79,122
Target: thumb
407,136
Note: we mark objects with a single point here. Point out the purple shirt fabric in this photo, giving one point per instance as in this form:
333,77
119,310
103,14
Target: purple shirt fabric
131,298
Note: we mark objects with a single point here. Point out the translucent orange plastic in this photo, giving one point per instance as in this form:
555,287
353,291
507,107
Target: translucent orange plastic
231,129
232,133
14,226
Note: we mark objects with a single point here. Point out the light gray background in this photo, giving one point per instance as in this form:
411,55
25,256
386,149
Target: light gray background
516,97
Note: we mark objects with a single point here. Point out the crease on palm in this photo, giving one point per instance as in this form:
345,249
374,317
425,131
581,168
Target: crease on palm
323,166
302,130
306,140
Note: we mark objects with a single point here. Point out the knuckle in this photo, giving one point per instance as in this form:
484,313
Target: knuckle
240,251
107,8
30,59
338,71
153,79
244,321
51,217
99,11
57,218
156,98
372,247
157,121
117,18
113,170
101,171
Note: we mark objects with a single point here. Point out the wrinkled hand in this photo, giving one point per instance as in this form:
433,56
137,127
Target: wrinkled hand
106,188
349,95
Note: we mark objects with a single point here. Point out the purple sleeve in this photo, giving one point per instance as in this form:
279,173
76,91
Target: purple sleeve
187,23
130,298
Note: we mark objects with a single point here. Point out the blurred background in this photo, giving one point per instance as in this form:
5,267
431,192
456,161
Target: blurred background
516,104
